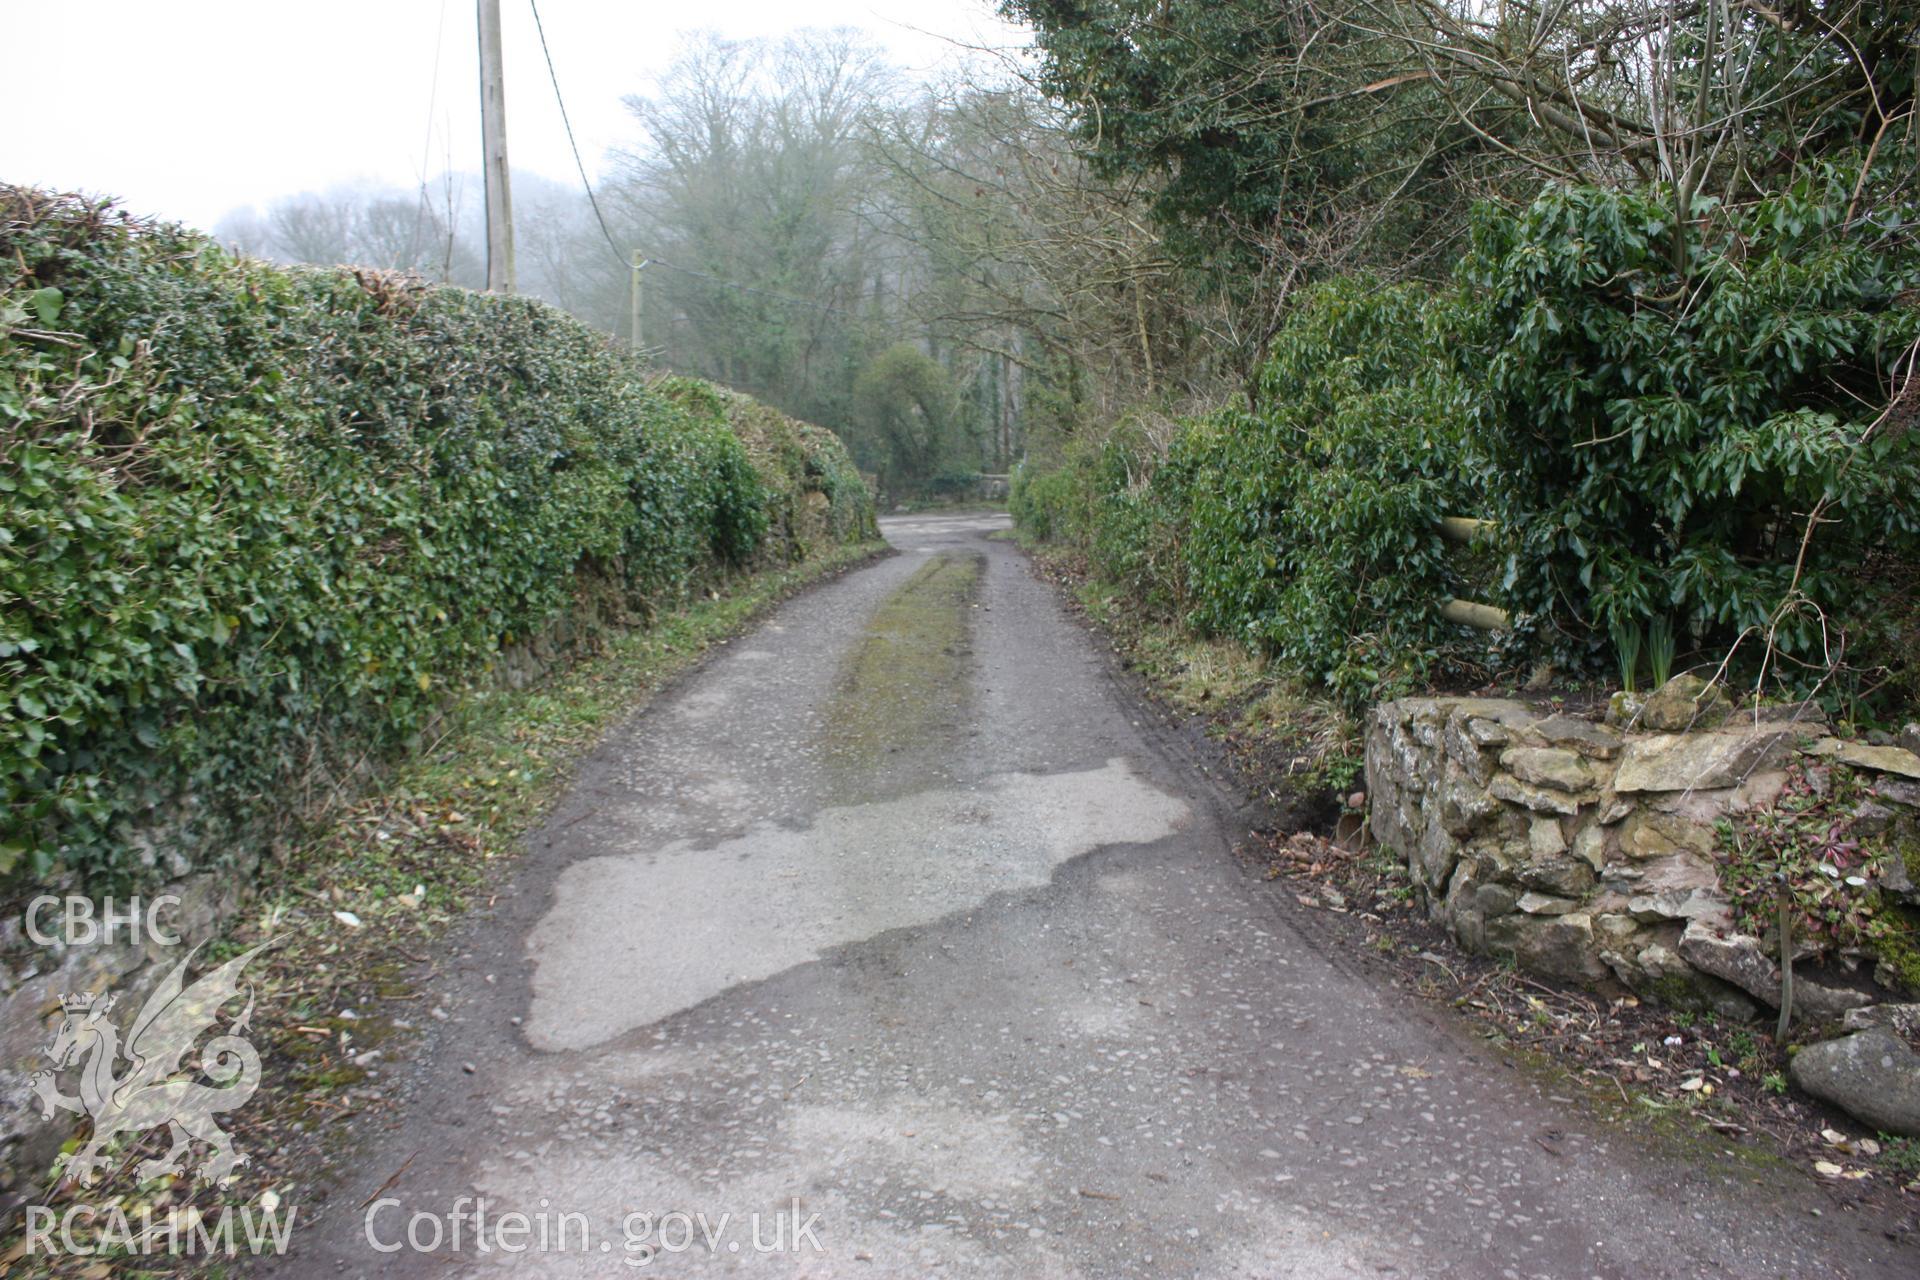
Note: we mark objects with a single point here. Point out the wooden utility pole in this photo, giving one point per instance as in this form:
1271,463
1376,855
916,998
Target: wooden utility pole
493,142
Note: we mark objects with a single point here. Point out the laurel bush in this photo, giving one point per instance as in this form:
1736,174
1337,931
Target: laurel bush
1656,425
1049,504
257,524
1305,529
1646,416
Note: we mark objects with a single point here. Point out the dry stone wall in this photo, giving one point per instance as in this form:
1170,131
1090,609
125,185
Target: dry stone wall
1586,850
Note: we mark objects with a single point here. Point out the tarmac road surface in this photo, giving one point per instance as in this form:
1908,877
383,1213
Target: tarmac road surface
896,940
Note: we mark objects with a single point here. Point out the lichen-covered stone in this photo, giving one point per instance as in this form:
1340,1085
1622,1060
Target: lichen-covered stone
1553,767
1696,761
1563,876
1496,899
1897,873
1684,704
1679,887
1895,760
1872,1075
1649,834
1559,946
1461,804
1506,711
1545,839
1898,790
1661,962
1465,752
1526,837
1623,709
1902,1019
1590,846
1575,734
1434,857
1759,789
1487,733
1740,960
1510,789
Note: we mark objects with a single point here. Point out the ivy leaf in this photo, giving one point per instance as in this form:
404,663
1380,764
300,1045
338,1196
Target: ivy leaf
46,304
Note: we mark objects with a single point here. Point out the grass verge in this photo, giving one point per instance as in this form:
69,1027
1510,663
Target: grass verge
355,908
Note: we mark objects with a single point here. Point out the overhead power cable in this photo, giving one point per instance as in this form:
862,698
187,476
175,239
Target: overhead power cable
433,95
600,218
433,99
578,163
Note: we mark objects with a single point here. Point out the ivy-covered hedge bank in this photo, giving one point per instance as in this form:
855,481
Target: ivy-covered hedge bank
257,524
1647,418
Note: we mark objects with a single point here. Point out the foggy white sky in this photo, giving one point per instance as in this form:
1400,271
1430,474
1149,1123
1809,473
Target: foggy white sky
188,108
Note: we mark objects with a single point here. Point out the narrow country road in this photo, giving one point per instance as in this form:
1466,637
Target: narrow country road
898,911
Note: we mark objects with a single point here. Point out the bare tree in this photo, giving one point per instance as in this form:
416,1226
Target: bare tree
244,231
744,192
312,228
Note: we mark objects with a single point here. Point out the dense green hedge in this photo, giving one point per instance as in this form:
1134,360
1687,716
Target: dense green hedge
1660,430
1647,422
255,524
814,494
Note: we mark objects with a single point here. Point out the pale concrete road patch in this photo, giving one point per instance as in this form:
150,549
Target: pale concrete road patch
633,938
